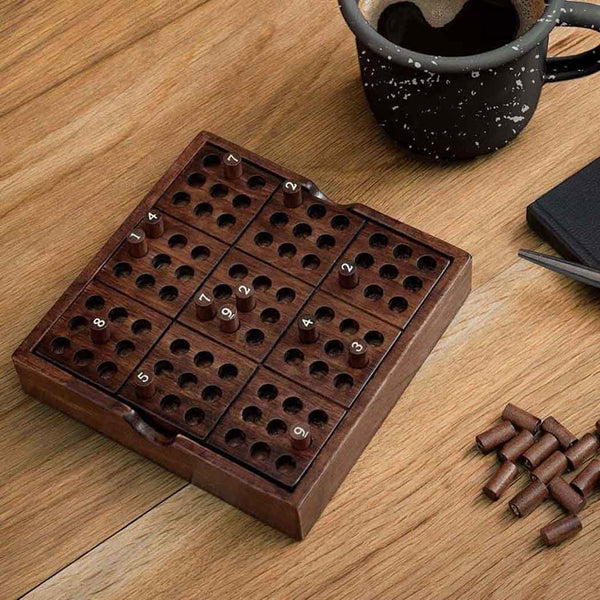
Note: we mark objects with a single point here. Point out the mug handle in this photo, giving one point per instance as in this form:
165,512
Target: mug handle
576,14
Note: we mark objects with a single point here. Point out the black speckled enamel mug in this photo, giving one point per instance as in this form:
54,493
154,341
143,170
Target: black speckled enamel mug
464,106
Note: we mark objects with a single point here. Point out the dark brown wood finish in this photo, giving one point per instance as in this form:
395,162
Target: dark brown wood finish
305,240
278,299
270,474
167,276
257,427
206,198
395,274
324,366
195,380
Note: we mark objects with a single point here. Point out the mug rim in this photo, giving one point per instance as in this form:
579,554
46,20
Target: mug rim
429,63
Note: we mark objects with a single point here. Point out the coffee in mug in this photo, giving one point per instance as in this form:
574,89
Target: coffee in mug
452,27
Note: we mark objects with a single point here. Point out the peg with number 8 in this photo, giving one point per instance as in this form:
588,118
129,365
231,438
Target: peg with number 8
99,331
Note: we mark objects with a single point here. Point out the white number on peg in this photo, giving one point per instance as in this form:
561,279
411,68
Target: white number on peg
357,346
300,431
143,377
308,322
347,267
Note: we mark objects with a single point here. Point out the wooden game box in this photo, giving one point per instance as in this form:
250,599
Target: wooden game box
252,341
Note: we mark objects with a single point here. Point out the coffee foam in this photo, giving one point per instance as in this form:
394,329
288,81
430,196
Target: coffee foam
439,13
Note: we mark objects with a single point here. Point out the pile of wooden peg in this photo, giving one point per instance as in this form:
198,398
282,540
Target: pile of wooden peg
547,450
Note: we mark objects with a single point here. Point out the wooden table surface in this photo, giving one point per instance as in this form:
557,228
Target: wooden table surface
96,101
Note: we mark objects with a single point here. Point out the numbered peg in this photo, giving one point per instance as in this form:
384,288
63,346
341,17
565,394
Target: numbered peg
99,331
144,385
234,167
358,354
154,224
206,309
137,244
245,300
307,329
292,194
229,322
300,437
348,276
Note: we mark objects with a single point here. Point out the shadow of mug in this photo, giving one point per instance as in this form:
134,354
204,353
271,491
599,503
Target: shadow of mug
464,106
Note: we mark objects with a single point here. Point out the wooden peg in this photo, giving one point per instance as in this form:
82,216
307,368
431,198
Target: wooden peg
234,167
137,244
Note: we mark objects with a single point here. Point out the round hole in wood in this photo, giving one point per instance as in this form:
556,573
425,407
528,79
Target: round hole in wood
184,273
260,451
211,393
78,323
285,464
254,337
203,209
325,242
318,369
168,293
398,304
179,347
349,326
180,199
378,240
340,223
228,371
235,438
125,348
83,358
170,403
145,281
211,161
287,250
256,182
161,261
374,338
178,241
292,405
238,271
285,295
293,356
261,283
95,302
302,231
388,272
118,314
364,260
194,416
318,418
276,427
343,381
263,239
316,211
187,381
241,201
204,359
162,367
60,345
200,253
107,370
270,315
279,219
225,221
267,392
311,262
402,251
325,314
427,263
252,414
196,180
373,292
141,326
222,291
413,283
334,348
123,269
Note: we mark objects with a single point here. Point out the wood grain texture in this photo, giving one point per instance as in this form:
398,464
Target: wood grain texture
96,103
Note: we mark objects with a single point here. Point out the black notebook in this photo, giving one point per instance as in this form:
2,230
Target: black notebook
568,217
